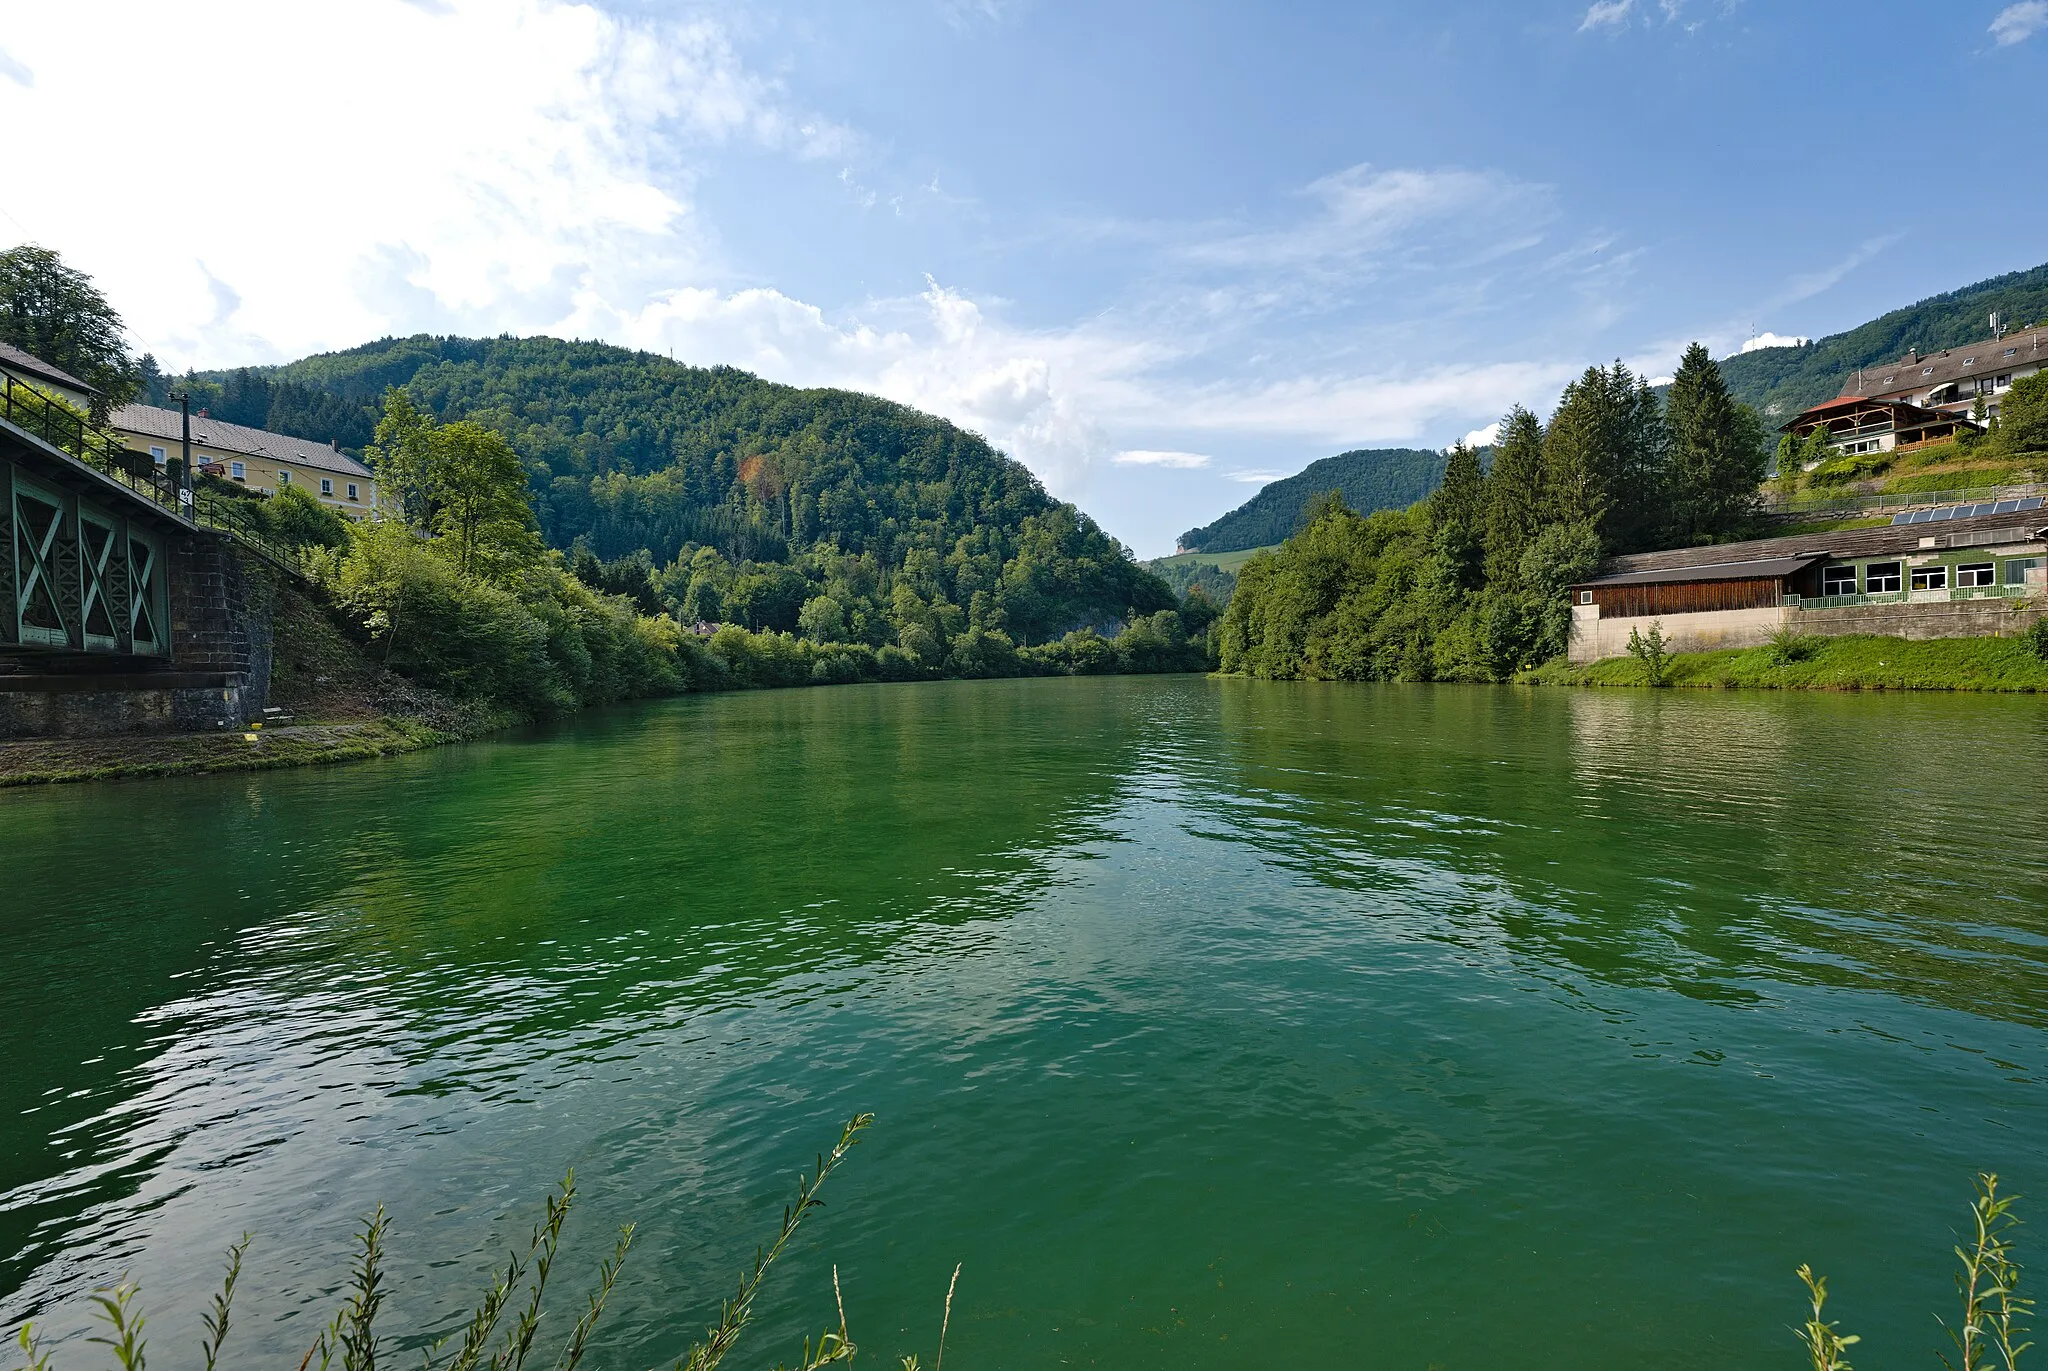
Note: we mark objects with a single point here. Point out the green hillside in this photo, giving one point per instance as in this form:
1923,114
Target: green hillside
1780,382
628,453
1370,479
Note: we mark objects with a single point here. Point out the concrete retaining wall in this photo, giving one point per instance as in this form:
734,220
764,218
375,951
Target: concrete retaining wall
1594,638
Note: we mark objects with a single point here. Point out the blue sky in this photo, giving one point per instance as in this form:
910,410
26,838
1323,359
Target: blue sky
1160,252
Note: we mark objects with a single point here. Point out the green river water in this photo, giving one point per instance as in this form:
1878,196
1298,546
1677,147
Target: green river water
1208,1023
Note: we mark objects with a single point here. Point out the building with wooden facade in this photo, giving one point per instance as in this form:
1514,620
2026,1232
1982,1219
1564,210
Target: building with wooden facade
1962,571
1856,425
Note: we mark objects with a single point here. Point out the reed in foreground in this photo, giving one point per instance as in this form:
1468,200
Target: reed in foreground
1991,1333
502,1332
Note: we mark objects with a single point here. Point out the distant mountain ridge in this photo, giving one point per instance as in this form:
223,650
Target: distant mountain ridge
1367,479
628,452
1780,382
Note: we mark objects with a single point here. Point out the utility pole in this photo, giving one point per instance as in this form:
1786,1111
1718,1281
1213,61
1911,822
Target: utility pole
184,399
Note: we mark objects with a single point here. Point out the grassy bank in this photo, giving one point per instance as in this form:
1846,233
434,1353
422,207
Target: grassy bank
1854,663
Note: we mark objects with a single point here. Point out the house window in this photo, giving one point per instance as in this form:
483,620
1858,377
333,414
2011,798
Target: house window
1585,597
2003,381
2016,570
1975,574
1930,578
1881,578
326,486
158,455
1889,379
238,471
1838,580
1927,371
284,478
352,490
2012,352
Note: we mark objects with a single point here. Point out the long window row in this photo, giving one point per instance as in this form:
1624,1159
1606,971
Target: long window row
1885,578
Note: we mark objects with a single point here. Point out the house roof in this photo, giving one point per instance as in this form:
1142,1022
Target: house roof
14,359
1842,404
150,422
1840,544
1989,357
1769,568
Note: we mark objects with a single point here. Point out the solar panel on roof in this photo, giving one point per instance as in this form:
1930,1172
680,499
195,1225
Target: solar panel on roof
2031,502
2006,507
1899,520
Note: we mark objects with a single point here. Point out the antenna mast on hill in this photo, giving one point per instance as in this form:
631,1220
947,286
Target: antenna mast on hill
1997,329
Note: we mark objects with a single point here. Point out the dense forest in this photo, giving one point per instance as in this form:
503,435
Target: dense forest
732,499
1366,480
1469,584
1780,382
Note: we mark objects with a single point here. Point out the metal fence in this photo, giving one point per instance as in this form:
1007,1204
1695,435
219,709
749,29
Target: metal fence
1892,502
74,435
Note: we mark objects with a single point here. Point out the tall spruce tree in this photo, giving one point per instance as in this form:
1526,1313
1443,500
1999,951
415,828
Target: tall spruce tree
1515,495
1604,456
1457,514
1717,453
1640,516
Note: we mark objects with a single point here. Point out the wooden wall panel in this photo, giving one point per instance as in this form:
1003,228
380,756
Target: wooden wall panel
1686,597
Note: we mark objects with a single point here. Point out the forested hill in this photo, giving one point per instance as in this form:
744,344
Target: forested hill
627,451
1780,382
1377,478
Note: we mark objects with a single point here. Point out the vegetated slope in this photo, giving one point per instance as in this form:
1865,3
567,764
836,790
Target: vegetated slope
629,451
1780,382
1369,479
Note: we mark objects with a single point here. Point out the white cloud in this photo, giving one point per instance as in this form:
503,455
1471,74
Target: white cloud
2017,23
1146,457
1369,215
1606,13
1807,286
1773,340
556,165
1256,476
1482,437
1654,381
558,194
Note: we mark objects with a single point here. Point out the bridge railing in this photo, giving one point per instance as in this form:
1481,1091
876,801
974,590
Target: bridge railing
73,434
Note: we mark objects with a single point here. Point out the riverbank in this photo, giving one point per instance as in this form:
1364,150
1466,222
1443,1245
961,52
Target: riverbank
340,703
1849,663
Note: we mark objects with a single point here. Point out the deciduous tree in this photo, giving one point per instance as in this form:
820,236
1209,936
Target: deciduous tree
56,313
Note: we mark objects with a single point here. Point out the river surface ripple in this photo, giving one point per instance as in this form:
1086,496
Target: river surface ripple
1209,1023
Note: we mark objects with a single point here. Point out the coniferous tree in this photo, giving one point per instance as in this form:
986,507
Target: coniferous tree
1515,495
1640,515
1717,453
1603,458
1458,513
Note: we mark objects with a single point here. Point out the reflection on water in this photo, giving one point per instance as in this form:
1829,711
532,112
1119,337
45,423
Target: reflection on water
1196,1012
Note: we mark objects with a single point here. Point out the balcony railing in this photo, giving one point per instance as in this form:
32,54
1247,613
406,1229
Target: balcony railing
1900,597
